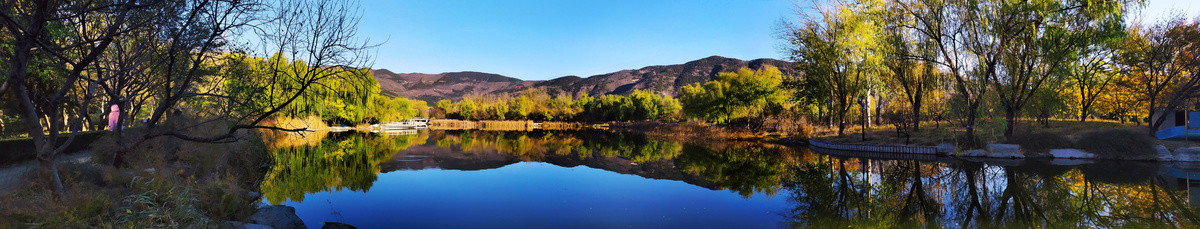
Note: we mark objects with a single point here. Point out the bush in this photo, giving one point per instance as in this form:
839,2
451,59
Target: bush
1118,144
1040,142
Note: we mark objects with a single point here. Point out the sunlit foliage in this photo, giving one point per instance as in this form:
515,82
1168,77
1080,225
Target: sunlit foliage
742,94
350,98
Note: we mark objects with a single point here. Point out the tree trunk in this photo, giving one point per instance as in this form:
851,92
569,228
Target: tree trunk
51,168
916,110
970,128
1010,121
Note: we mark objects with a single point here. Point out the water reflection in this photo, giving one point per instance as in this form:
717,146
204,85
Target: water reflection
341,161
822,188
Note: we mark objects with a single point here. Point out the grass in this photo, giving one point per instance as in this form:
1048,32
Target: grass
166,183
1118,144
1040,142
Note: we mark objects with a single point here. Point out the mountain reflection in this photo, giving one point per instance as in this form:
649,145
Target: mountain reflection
824,189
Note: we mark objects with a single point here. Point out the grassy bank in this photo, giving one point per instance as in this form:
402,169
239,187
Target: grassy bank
165,182
936,133
699,132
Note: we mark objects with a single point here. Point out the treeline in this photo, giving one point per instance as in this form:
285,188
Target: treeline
986,65
739,95
639,105
346,97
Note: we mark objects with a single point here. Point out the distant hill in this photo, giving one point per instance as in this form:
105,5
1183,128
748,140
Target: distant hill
665,79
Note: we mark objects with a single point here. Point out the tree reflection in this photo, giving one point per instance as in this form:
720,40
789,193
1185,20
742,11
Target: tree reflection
832,191
535,146
824,190
348,161
742,168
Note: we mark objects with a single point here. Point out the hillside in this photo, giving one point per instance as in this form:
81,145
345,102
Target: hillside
667,79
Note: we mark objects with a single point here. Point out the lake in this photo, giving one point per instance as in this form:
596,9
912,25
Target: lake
601,179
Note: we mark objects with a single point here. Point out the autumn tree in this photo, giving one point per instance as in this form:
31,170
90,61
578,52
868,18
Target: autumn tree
834,50
1163,64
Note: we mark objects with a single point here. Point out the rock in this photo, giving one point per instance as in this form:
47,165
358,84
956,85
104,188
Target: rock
336,225
1004,151
973,153
1164,154
243,225
1070,153
1187,154
946,148
278,217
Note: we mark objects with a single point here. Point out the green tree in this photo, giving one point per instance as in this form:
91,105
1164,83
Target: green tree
741,94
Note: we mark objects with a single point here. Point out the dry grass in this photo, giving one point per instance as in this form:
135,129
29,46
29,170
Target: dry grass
702,132
312,123
165,183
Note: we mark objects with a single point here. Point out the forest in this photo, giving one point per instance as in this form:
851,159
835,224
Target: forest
987,65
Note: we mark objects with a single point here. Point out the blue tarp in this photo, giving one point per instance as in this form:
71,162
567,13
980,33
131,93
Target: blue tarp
1194,120
1178,133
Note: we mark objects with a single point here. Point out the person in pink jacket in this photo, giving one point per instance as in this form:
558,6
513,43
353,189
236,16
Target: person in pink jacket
114,114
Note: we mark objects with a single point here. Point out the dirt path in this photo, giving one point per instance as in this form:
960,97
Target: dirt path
11,176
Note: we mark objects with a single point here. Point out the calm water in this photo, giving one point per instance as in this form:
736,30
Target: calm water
594,179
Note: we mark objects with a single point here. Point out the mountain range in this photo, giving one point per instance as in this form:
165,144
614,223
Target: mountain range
664,79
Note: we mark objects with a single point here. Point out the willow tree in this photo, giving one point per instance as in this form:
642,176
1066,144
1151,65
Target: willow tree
836,51
906,57
741,94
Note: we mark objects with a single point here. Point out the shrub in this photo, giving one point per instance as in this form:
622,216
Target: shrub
1118,144
1039,142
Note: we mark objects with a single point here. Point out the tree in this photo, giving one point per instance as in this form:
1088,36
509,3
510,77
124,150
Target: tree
1163,64
1091,74
908,68
833,49
42,39
1042,37
741,94
156,57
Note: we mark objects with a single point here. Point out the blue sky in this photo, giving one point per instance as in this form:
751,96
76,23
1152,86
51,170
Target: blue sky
538,40
546,39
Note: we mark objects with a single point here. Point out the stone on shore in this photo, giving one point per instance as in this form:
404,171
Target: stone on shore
946,148
973,153
1187,154
1164,154
1070,153
1004,151
278,217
